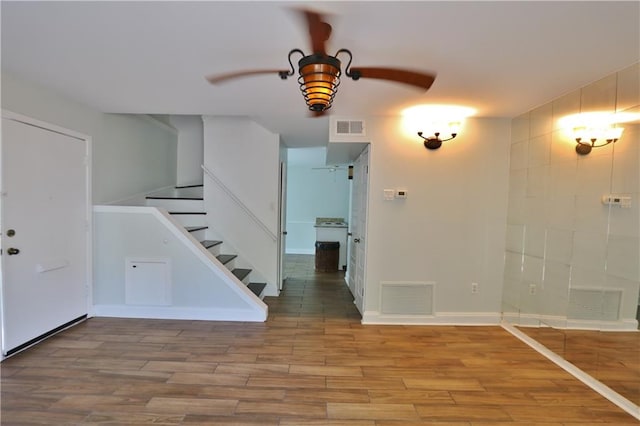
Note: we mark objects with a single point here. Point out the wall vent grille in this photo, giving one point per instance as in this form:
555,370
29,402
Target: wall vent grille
407,298
594,304
350,127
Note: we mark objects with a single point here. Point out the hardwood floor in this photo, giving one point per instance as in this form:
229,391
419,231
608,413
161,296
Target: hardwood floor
312,363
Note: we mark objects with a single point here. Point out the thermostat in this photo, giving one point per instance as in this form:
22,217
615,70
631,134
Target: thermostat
617,200
401,193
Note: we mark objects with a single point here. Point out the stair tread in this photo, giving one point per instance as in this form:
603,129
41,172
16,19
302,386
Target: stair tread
241,273
195,228
226,258
210,243
187,212
256,288
189,186
167,197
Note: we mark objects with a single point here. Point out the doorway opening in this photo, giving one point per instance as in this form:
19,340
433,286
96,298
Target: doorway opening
317,210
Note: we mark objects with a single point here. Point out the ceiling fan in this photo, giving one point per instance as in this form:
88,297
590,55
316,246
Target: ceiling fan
319,73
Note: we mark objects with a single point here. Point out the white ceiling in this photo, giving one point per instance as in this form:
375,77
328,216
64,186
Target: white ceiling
502,58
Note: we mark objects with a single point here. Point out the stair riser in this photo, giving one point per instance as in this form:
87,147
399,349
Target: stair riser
230,265
177,205
199,235
190,219
179,192
215,250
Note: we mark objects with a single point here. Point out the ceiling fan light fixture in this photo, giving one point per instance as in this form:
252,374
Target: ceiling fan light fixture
319,80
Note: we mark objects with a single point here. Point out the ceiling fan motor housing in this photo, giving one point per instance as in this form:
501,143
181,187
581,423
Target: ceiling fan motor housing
319,80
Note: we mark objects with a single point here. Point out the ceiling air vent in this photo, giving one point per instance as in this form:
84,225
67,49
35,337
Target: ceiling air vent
343,130
344,127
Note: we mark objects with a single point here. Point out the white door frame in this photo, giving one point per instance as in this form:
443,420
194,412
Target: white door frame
6,114
282,225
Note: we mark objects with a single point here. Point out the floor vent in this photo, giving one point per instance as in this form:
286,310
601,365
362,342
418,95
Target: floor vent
407,298
594,304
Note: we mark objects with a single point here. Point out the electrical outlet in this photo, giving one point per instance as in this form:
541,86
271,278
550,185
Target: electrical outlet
532,289
474,288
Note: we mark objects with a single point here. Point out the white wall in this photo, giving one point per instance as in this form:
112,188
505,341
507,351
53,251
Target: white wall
190,148
312,193
198,290
450,230
131,154
246,158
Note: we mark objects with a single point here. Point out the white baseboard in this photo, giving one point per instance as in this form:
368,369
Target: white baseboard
300,251
440,318
178,313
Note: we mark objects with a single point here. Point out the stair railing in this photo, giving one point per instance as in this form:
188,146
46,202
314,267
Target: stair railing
239,202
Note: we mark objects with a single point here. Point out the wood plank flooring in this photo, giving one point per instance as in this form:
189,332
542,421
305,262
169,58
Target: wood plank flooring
312,363
611,357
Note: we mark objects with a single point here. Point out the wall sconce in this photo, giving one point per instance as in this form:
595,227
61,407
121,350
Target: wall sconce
434,141
588,138
435,123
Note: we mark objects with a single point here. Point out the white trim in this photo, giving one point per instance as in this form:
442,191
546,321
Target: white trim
585,378
196,248
44,125
440,318
178,313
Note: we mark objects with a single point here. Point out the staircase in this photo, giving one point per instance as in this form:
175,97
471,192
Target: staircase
186,205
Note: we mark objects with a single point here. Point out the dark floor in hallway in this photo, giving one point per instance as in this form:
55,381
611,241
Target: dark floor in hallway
309,293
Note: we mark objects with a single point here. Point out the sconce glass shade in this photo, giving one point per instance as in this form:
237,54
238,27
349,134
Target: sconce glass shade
440,122
595,137
319,80
595,129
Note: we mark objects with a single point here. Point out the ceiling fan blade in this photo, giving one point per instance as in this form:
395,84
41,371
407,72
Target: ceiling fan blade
222,78
319,31
412,78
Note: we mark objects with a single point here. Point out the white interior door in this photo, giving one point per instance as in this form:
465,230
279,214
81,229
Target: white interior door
357,257
45,231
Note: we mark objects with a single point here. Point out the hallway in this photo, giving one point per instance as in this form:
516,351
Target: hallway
310,294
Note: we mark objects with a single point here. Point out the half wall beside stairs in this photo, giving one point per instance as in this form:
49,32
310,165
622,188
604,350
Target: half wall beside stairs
195,284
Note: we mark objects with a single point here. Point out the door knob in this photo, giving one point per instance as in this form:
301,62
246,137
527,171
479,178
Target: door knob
11,251
356,240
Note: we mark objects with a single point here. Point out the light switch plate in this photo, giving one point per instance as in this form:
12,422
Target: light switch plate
389,194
